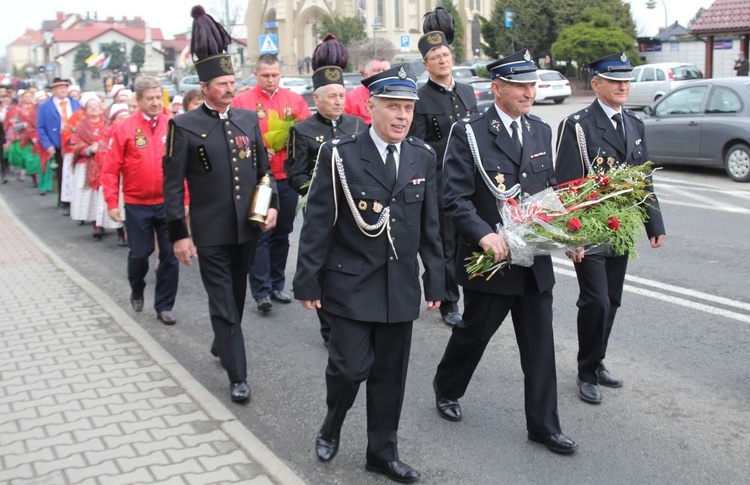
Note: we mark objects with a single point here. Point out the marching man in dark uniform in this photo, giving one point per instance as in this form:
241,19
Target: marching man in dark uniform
220,153
442,102
372,207
491,157
329,60
613,136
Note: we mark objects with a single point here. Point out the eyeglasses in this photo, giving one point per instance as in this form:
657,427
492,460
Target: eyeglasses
444,55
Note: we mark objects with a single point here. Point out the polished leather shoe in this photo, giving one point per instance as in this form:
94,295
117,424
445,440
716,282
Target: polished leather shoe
325,447
447,408
137,302
264,305
453,319
214,350
240,392
395,470
166,317
281,296
608,379
589,392
559,443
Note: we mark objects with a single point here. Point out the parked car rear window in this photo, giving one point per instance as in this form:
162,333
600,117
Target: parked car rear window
686,72
551,76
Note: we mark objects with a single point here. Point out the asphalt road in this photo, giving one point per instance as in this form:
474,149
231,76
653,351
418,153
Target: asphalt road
680,342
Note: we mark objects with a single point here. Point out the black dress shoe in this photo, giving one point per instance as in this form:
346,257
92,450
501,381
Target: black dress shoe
166,317
240,392
264,305
453,319
447,408
589,392
281,296
214,350
559,443
395,470
608,379
325,447
137,302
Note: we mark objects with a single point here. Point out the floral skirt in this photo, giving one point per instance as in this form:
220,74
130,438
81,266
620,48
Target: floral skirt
66,191
83,202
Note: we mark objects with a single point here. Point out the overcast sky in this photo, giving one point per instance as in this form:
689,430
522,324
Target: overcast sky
173,17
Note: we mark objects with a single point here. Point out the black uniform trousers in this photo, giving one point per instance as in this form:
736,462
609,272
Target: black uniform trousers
600,282
532,321
379,354
448,236
224,274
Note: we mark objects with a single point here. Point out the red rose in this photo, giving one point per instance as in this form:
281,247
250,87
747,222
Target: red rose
593,197
613,223
573,224
542,217
602,180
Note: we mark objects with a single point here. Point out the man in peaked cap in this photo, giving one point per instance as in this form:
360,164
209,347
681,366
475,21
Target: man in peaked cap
328,122
513,151
219,151
442,102
372,207
614,136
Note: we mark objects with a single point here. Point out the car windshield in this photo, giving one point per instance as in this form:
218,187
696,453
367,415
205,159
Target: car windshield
551,76
686,72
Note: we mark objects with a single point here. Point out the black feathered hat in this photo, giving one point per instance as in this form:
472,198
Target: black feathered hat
438,30
329,60
209,44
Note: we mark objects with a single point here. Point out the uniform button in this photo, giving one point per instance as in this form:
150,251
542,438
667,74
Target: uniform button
393,200
236,179
234,160
236,169
523,175
234,150
231,140
237,187
203,135
226,123
417,196
391,258
229,132
393,220
338,265
237,197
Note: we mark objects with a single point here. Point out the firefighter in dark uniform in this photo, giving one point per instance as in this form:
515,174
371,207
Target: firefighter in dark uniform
329,61
220,153
613,136
372,207
442,102
491,157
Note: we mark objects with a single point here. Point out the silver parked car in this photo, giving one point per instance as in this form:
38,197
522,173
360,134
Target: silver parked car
652,81
704,123
187,83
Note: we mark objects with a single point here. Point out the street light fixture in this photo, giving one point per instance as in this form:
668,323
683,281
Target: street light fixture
651,4
375,25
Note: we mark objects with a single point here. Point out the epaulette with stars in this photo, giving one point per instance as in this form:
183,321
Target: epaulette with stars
537,119
416,142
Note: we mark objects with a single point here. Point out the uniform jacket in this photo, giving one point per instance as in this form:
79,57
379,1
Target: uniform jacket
49,122
364,279
472,207
135,153
284,102
354,103
305,139
436,111
222,161
605,147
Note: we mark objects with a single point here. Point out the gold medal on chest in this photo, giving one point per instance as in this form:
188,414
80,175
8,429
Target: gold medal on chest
362,205
377,207
500,179
242,154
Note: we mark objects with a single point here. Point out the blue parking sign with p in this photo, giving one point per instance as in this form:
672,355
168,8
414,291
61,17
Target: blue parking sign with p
405,41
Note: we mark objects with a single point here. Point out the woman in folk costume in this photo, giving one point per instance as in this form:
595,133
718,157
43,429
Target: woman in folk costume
12,136
66,145
46,169
23,127
90,142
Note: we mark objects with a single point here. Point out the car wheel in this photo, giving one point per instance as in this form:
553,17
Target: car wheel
559,100
737,162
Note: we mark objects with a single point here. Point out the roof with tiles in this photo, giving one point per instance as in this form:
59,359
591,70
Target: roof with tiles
724,16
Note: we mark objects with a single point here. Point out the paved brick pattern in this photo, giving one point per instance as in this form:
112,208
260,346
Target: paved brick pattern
81,401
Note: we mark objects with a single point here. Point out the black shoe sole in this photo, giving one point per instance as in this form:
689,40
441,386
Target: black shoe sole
561,451
382,471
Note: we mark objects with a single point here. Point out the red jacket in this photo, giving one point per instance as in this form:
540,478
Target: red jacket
282,101
354,103
135,153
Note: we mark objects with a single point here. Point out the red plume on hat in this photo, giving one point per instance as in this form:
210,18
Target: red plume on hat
209,37
439,19
330,52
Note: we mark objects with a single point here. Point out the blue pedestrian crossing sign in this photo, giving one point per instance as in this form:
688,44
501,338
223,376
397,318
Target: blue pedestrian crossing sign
268,44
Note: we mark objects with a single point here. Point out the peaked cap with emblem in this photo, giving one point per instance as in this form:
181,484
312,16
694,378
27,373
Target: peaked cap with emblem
614,66
209,44
437,26
518,67
398,82
329,60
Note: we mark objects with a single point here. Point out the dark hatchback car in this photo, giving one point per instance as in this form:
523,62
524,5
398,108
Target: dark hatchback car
706,122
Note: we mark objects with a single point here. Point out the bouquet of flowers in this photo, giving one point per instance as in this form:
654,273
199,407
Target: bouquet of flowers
605,208
278,129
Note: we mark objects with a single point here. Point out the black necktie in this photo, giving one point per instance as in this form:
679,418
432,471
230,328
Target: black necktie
618,126
390,166
515,138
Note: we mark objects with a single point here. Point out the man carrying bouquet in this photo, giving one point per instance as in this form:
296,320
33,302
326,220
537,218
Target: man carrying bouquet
278,109
489,157
598,138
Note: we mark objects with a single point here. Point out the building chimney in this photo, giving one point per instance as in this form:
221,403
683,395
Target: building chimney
60,18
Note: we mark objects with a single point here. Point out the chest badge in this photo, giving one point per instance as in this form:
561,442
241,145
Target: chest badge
140,139
377,207
260,110
362,205
500,179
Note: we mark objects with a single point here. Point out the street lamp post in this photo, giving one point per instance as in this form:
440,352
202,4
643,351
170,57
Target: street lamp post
375,25
651,4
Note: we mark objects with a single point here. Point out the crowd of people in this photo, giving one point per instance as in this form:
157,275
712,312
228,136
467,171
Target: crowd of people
390,173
